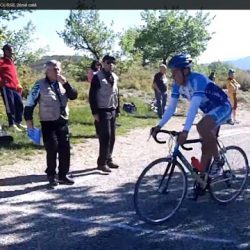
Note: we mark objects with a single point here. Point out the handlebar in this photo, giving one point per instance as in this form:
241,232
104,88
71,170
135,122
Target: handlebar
175,134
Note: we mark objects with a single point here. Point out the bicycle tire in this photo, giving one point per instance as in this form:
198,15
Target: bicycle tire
174,167
228,179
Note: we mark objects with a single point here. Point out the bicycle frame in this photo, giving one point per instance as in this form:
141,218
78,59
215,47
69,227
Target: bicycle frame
178,155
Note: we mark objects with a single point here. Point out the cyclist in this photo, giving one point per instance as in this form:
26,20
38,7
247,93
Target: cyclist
204,94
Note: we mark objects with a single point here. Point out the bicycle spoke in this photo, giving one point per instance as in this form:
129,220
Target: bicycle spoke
160,191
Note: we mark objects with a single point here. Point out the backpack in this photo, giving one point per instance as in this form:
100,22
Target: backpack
129,107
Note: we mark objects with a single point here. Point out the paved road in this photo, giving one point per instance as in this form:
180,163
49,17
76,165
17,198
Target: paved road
97,212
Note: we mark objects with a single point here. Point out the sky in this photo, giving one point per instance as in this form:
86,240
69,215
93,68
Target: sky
230,41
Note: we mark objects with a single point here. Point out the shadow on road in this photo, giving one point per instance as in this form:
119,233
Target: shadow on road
89,218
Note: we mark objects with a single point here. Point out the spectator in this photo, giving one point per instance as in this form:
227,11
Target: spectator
94,68
104,104
212,76
11,89
232,88
160,88
52,93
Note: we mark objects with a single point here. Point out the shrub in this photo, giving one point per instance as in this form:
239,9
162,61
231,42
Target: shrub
244,80
27,78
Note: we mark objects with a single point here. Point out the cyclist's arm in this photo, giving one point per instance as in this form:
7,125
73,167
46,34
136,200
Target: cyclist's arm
193,109
169,111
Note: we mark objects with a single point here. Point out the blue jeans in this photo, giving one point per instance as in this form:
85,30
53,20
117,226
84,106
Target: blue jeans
161,100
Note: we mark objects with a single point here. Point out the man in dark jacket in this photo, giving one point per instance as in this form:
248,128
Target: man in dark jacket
104,104
52,93
160,87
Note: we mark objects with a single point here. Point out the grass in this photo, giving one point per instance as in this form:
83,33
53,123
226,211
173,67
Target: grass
81,127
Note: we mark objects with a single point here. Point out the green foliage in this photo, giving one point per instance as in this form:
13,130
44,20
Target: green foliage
168,32
22,40
84,31
27,78
127,44
243,78
9,15
77,70
137,77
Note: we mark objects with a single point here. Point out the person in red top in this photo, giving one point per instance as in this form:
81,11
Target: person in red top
11,89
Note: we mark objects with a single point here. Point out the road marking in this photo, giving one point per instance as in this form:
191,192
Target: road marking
173,235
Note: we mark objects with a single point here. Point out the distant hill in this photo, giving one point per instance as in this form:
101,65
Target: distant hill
242,63
38,65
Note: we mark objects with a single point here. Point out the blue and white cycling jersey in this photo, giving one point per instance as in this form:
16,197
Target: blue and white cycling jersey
200,85
201,92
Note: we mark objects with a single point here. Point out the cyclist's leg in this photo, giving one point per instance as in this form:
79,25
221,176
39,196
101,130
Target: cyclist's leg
208,130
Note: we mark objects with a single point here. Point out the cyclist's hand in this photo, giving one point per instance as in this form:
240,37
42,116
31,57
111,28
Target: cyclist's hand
182,137
154,130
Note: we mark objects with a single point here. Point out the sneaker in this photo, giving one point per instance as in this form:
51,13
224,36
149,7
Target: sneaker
216,168
21,126
14,128
231,122
104,168
52,180
112,165
66,180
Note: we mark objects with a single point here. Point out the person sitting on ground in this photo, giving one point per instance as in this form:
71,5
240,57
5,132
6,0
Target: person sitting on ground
232,88
205,95
94,68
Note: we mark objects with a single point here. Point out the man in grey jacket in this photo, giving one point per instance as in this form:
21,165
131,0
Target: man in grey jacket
52,94
104,104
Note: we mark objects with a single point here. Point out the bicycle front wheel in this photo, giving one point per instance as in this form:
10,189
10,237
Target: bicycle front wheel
160,190
229,185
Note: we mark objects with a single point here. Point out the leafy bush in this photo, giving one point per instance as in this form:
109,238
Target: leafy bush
77,70
27,78
137,77
244,80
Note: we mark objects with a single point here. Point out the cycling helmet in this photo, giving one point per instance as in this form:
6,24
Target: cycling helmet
231,71
180,61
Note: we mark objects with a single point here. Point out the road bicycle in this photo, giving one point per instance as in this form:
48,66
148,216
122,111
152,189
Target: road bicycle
162,185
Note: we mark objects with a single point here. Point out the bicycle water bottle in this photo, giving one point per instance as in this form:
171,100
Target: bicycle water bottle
196,164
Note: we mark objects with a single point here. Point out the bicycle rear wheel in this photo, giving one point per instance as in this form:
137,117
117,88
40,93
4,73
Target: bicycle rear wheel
160,190
229,185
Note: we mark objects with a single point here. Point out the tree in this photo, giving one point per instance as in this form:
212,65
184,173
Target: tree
127,41
22,40
85,32
168,32
8,15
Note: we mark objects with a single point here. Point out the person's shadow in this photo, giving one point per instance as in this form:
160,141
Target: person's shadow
42,179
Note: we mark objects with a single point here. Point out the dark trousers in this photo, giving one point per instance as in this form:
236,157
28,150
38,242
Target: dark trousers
13,105
161,100
56,141
105,129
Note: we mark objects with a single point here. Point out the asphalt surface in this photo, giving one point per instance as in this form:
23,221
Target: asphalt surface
98,213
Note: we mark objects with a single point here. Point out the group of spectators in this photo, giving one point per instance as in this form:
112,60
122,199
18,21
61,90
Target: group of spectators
52,93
